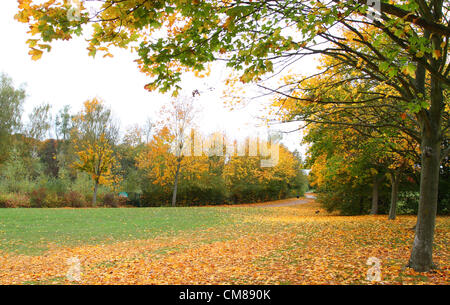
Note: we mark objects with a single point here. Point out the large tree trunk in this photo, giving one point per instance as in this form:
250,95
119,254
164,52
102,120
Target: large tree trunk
375,195
394,195
94,198
175,184
421,255
430,120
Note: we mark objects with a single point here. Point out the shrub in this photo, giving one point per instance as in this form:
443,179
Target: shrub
123,201
38,197
83,184
74,199
114,201
14,200
408,202
110,200
58,186
444,206
52,200
134,199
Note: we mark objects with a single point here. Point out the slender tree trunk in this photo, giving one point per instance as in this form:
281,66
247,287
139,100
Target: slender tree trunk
175,184
394,195
94,198
375,193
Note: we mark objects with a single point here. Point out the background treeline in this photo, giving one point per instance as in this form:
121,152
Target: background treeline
216,177
83,160
355,174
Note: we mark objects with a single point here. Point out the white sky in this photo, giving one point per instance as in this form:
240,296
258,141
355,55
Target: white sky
67,75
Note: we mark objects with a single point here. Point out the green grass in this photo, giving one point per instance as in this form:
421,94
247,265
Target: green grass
30,231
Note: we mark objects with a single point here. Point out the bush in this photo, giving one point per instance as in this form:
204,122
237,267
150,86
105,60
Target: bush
38,197
134,199
110,200
14,200
74,199
346,198
58,186
444,206
52,200
114,201
88,200
83,184
408,203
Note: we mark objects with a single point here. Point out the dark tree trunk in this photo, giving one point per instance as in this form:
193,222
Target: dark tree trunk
430,121
421,258
375,195
394,195
94,198
175,184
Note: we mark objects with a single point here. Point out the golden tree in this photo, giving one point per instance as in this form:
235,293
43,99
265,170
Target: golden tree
94,137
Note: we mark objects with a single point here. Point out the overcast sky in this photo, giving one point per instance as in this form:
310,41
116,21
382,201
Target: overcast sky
67,75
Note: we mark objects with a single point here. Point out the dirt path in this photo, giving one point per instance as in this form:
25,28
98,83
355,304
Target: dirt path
309,197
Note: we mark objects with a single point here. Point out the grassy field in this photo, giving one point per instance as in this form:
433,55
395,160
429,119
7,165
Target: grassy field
33,231
210,245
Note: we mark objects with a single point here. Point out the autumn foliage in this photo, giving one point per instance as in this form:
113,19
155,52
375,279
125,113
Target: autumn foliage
208,178
245,245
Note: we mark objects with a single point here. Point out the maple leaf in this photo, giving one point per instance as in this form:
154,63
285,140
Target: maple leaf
35,54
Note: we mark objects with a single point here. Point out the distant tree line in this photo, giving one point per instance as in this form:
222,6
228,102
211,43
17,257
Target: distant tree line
82,160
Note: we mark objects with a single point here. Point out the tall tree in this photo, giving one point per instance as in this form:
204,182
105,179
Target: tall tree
161,165
39,122
133,135
148,128
11,101
63,123
48,154
180,119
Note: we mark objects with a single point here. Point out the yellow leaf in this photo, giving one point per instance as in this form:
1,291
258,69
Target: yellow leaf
436,54
35,54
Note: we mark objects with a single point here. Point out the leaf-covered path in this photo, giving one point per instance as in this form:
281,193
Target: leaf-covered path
272,245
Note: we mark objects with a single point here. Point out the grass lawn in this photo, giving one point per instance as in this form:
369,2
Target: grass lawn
33,231
210,245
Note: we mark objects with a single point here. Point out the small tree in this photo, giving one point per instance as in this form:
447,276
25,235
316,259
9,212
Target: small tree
94,136
39,122
11,100
63,123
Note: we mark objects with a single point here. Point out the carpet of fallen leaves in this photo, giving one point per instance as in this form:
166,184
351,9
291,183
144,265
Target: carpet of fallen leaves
273,245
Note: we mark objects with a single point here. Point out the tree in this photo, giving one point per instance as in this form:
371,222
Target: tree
11,101
177,121
353,158
181,117
63,123
147,129
48,155
133,135
164,169
39,122
94,134
406,49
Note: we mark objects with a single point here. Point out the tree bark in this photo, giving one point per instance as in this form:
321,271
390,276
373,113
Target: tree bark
430,121
375,195
394,195
94,198
175,184
421,254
